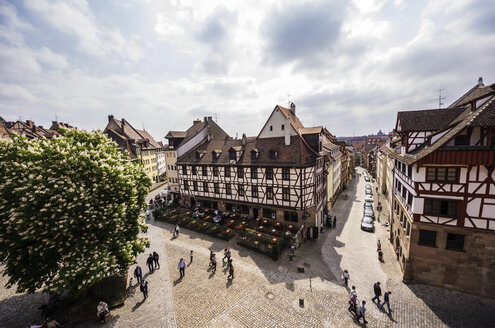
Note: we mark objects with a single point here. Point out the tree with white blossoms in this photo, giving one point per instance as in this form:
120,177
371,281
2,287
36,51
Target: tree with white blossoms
69,211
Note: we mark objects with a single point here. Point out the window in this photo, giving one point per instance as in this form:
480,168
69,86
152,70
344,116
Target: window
409,198
227,171
269,213
290,216
205,186
184,169
427,238
194,171
285,194
186,184
216,188
195,185
271,127
254,191
455,242
409,171
269,192
254,173
228,189
254,155
285,173
241,190
273,154
232,155
240,172
461,140
283,127
438,207
269,173
215,171
447,174
244,209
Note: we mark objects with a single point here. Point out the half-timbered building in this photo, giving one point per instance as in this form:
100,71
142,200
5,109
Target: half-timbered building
277,175
443,210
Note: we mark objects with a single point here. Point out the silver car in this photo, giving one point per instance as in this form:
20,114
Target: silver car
367,224
369,213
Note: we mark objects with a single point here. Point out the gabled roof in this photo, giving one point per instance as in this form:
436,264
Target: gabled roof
311,130
427,119
294,120
175,134
477,92
146,135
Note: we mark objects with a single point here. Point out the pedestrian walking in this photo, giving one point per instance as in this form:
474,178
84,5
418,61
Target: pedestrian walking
380,255
353,304
378,292
211,258
138,273
225,252
353,290
330,221
191,256
378,245
182,267
156,258
229,262
144,288
362,311
229,254
214,263
231,272
386,300
150,262
397,252
345,277
334,222
176,231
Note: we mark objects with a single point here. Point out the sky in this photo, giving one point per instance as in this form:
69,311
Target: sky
347,65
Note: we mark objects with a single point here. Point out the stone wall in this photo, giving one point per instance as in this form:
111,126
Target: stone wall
469,271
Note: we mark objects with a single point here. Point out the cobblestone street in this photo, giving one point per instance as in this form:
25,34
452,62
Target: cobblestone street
265,293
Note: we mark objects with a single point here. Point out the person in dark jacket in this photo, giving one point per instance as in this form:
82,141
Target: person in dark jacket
144,288
149,262
156,257
378,292
386,299
138,273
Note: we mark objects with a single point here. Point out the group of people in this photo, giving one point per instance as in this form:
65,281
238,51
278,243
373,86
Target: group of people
360,312
331,221
153,263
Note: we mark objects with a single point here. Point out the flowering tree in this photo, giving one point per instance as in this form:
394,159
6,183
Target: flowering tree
69,211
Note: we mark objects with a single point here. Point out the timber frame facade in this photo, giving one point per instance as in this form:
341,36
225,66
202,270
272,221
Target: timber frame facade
443,194
278,175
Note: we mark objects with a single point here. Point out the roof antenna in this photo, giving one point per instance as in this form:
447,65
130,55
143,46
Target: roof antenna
440,98
216,118
56,118
143,126
288,100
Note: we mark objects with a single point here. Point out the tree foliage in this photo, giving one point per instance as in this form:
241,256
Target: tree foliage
69,211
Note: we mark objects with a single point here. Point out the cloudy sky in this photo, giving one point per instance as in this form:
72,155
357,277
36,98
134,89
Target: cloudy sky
347,65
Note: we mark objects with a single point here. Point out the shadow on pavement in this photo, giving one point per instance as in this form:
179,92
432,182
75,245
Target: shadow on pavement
137,305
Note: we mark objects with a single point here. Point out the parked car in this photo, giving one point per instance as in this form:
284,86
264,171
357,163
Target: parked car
366,179
368,198
368,205
367,224
369,212
369,192
368,186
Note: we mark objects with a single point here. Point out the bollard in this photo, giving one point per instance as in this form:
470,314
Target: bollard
301,302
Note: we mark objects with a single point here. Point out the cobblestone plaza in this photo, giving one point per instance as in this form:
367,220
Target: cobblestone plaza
266,293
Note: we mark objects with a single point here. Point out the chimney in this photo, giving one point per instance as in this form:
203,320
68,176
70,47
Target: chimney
30,123
196,121
293,108
205,119
244,139
110,117
480,82
123,123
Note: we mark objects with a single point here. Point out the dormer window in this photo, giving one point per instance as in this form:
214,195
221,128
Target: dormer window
273,154
254,154
216,154
232,155
200,153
